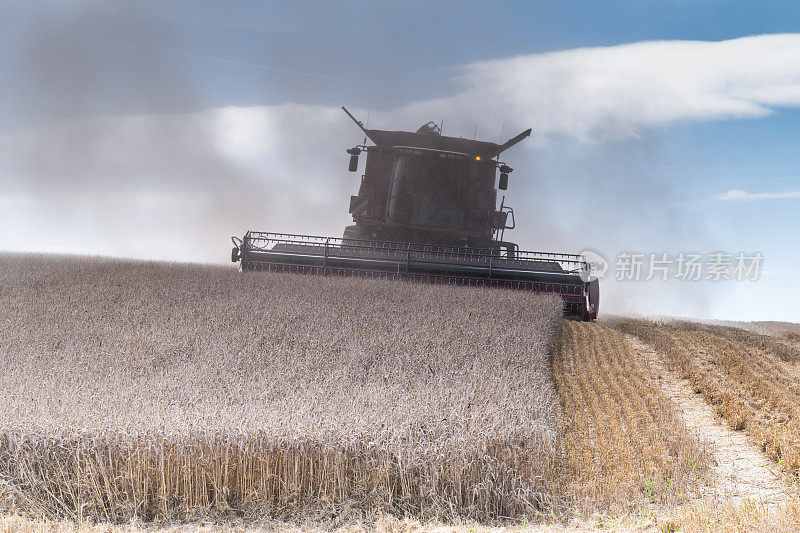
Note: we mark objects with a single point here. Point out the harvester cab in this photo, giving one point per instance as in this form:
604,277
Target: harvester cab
426,188
427,211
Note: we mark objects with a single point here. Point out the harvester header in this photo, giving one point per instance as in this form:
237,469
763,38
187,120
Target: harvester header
427,211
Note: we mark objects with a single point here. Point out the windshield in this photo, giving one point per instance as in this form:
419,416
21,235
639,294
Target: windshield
426,191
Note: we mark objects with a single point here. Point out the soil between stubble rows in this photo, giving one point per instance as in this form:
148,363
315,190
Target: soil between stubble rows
741,471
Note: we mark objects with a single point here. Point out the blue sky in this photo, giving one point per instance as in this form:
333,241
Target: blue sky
128,127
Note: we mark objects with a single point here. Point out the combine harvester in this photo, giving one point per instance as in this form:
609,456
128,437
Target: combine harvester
426,211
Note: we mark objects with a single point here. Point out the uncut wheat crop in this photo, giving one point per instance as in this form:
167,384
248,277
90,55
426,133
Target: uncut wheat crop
161,391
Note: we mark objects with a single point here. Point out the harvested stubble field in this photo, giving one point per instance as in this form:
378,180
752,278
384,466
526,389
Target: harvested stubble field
164,391
751,379
786,330
625,443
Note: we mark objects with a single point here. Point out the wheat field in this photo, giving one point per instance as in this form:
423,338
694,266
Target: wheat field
167,391
172,394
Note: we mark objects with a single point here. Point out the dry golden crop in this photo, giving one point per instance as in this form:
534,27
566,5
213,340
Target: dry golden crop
163,390
752,380
778,343
625,443
747,516
787,330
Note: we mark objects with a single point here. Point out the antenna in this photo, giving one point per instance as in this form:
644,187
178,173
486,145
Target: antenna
508,144
502,129
476,131
358,122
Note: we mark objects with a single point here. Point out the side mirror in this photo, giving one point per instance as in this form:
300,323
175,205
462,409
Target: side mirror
353,158
503,184
504,171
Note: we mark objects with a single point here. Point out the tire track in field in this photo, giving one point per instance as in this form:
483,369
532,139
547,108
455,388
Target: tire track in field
741,470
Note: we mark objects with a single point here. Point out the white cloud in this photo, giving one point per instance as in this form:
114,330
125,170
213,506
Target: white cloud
736,194
593,94
585,94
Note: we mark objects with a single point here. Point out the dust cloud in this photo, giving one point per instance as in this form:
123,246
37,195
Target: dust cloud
109,147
